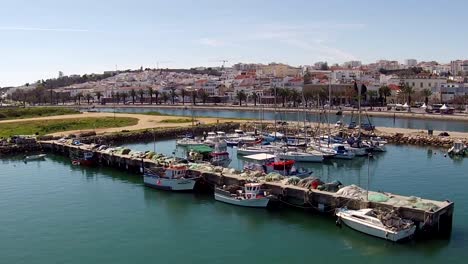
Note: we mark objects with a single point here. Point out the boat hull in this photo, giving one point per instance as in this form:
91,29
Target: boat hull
169,184
377,232
301,158
257,203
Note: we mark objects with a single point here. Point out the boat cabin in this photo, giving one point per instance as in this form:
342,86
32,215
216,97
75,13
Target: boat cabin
176,171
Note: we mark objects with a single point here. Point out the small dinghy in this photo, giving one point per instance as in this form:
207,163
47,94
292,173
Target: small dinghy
35,157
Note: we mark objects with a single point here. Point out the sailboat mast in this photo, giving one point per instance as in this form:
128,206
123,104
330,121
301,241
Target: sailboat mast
329,108
359,111
274,86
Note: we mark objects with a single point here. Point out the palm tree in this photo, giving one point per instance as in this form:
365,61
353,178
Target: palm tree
284,94
164,97
426,93
294,96
241,96
133,95
203,95
385,91
88,97
79,96
255,98
98,96
124,97
194,95
150,93
372,96
407,90
142,94
183,93
156,95
173,95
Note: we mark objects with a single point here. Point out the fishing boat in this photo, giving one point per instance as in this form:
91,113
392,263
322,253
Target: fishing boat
220,157
84,159
309,156
199,153
458,148
250,195
342,152
268,163
171,178
34,157
368,221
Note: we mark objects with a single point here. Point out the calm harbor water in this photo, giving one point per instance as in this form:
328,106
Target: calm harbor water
53,212
442,125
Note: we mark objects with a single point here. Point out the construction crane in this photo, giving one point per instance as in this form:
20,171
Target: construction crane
223,61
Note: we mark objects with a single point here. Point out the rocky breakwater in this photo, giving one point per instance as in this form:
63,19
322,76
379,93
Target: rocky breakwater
444,140
158,133
17,146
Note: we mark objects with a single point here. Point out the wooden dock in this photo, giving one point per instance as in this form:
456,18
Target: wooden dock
430,223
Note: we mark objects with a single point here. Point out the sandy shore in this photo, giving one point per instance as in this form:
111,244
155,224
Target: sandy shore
153,121
144,122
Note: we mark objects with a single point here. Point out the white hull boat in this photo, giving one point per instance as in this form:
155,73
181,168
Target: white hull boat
342,152
313,156
172,178
458,148
366,222
35,157
249,196
188,142
256,150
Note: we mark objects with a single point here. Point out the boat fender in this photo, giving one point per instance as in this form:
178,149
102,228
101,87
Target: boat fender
338,222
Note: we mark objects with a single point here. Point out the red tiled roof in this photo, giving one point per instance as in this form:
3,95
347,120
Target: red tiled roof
394,87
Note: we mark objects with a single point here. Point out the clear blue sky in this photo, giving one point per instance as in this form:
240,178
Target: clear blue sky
41,37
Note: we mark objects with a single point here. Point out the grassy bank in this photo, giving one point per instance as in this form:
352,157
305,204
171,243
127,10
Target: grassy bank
177,121
42,127
19,113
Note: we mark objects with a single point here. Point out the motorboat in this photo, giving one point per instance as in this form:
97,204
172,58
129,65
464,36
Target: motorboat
237,134
458,148
257,150
386,226
342,152
171,178
250,195
34,157
310,156
377,146
188,142
327,152
296,142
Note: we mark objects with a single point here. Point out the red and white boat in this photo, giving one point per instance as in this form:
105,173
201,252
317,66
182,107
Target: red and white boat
270,163
85,159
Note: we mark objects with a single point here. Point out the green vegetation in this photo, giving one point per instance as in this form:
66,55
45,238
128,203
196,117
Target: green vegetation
18,113
177,121
42,127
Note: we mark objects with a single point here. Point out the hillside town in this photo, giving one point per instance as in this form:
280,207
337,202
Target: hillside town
383,82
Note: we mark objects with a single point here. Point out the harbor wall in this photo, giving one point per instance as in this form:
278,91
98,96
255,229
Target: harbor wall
430,223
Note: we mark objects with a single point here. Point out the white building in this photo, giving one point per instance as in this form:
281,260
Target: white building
411,62
345,75
352,64
419,83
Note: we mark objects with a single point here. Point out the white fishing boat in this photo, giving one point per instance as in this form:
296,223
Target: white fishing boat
172,178
35,157
250,195
458,148
237,134
309,156
342,152
220,157
389,227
